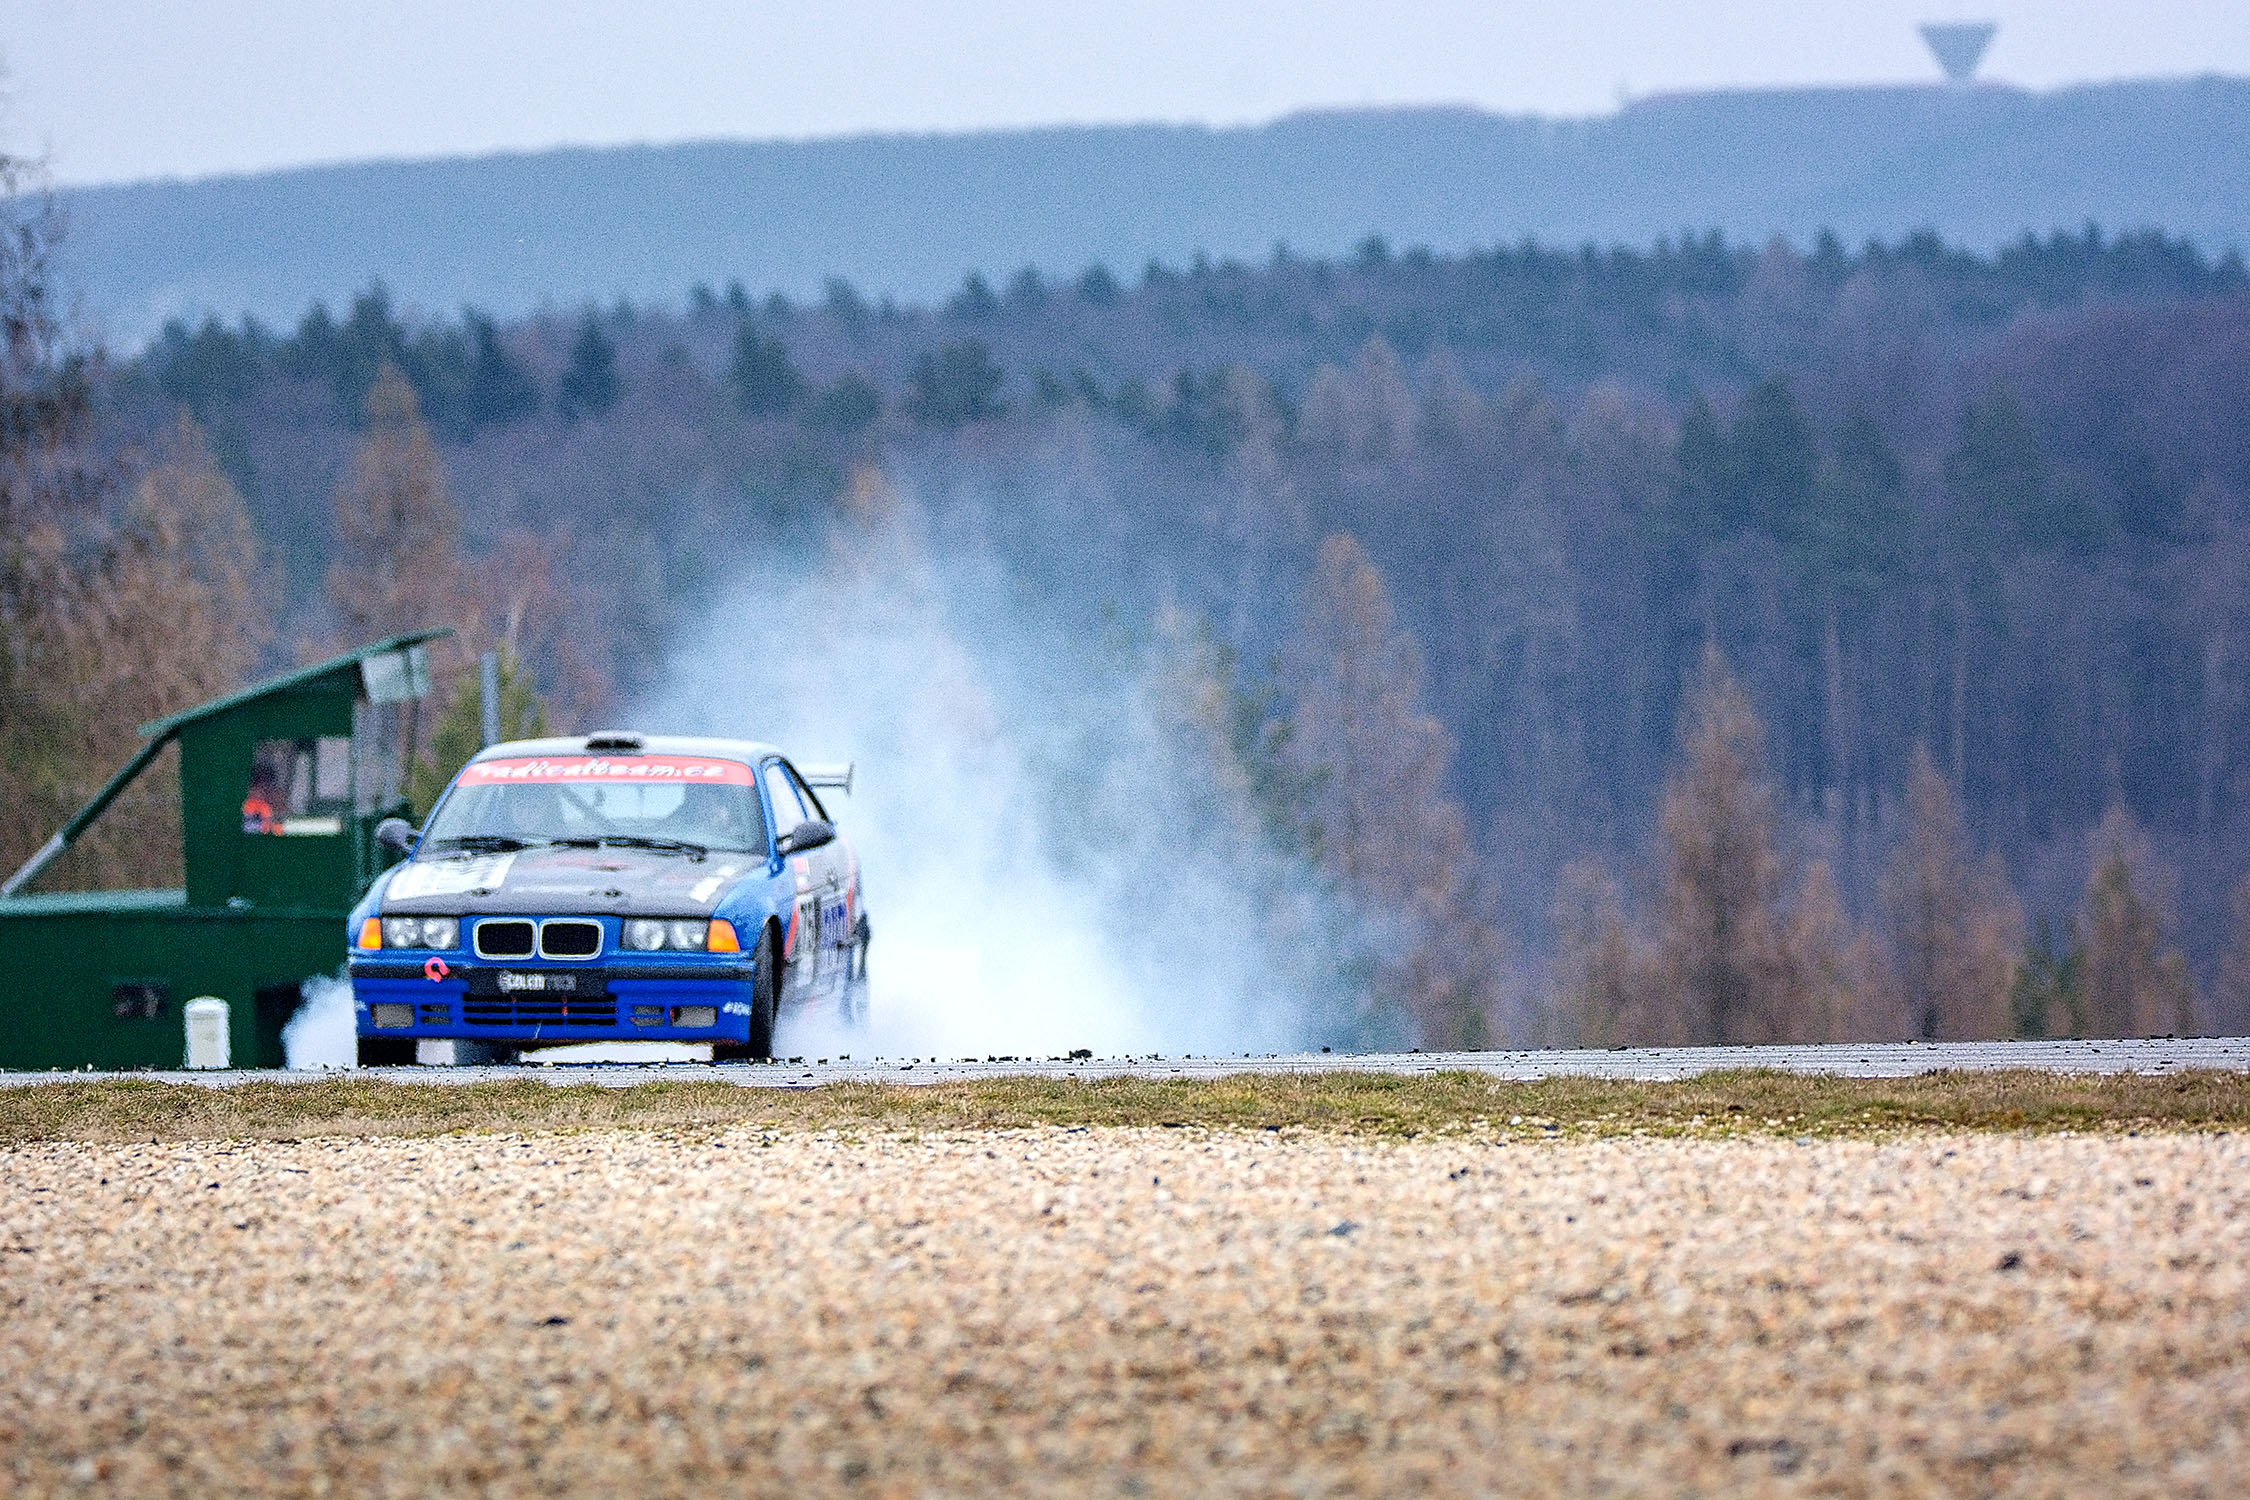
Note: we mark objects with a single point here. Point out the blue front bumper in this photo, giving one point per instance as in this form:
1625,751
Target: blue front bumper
673,1001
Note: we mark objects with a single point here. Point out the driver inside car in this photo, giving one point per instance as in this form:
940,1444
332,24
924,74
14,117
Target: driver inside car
713,815
529,813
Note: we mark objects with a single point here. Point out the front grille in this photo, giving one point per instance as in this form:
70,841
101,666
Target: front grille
503,939
538,1010
434,1015
570,939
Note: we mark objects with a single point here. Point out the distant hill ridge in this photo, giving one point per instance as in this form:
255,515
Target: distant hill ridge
909,215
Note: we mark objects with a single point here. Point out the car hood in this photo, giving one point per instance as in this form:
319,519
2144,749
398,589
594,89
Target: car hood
549,882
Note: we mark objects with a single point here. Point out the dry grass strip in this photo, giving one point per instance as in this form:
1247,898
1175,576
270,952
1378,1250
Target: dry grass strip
1715,1105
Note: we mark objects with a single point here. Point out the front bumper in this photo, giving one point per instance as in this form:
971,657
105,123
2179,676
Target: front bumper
531,1004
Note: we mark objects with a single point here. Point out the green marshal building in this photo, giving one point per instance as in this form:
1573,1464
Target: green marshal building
281,786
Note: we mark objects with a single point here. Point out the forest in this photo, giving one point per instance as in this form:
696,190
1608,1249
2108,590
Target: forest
1693,641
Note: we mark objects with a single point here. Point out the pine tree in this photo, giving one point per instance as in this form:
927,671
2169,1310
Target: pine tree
1774,462
848,406
766,383
1955,924
1855,536
2136,982
1701,508
1098,288
589,386
1027,291
2048,997
1720,941
1997,481
955,385
500,391
397,534
974,302
843,305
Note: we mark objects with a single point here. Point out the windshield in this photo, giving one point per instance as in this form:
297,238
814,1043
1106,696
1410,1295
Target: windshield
665,802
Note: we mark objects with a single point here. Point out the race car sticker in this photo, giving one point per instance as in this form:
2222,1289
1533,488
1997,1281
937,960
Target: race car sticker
449,877
707,889
676,768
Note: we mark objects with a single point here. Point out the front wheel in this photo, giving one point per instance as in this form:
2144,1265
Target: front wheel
765,999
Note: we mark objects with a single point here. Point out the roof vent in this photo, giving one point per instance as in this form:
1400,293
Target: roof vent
613,740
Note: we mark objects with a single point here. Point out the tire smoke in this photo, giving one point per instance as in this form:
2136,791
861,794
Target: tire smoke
321,1033
1057,850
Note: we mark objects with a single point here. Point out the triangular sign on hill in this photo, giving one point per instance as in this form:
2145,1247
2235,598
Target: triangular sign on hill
1959,46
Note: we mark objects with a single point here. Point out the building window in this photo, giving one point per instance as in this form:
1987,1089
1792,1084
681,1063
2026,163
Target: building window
139,1000
299,786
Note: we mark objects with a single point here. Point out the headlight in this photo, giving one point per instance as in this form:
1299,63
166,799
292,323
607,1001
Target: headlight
421,932
393,1017
688,935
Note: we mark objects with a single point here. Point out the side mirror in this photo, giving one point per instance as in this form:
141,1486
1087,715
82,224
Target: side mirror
810,834
396,835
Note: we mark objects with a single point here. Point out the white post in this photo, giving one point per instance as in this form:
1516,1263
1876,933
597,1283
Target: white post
208,1045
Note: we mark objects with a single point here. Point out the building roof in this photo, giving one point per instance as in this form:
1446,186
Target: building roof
287,681
91,903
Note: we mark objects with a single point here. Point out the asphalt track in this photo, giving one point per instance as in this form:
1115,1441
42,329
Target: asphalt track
1843,1060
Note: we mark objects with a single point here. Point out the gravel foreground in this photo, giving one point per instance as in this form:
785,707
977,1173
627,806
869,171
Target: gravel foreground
1125,1312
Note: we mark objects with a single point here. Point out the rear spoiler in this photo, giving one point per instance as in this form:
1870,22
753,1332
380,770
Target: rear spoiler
838,777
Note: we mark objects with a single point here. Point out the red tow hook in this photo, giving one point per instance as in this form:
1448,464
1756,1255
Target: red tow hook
434,970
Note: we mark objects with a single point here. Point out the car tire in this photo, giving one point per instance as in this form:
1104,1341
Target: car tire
765,1003
765,997
853,1010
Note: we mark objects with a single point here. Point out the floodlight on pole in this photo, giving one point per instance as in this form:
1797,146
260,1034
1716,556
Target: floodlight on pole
1958,46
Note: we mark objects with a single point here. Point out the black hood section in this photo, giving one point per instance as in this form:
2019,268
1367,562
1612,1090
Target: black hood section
567,882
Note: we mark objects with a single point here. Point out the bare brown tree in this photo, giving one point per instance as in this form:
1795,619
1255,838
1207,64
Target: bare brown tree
1832,988
175,615
1601,967
2230,988
397,563
1956,926
1393,832
2137,983
134,618
46,492
1720,939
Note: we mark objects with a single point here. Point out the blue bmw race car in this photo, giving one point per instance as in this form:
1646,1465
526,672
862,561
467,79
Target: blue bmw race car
614,888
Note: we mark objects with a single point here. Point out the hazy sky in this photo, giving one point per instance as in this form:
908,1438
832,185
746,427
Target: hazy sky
137,88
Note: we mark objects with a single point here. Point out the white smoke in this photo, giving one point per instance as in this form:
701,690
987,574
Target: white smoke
1045,867
322,1033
